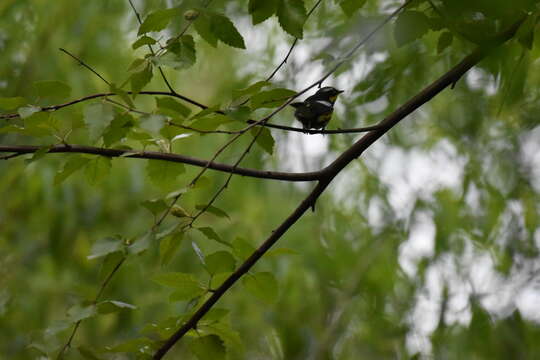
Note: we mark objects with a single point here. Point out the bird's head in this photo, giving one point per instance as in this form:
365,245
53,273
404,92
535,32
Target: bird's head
328,93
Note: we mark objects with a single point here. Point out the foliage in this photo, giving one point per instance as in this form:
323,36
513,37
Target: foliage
111,241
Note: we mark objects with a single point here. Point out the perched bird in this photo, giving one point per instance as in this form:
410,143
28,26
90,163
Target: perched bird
315,112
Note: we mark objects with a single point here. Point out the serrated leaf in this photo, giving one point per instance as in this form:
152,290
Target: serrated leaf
252,89
262,285
213,210
143,40
27,111
271,98
12,103
73,164
172,107
38,124
141,347
185,285
261,10
155,206
180,54
241,113
105,247
264,139
97,169
212,235
220,262
410,25
350,7
203,25
168,247
224,29
208,347
112,306
230,337
97,117
157,20
142,243
292,16
242,249
52,89
117,129
140,79
80,312
164,173
445,40
137,65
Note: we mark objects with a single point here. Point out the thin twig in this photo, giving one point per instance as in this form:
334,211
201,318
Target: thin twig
85,65
284,61
94,302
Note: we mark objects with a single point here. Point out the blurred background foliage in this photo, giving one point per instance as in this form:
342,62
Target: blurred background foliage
426,247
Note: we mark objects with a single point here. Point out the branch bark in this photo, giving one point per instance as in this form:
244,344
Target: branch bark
82,149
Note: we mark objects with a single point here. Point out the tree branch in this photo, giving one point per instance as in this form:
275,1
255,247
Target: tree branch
329,173
82,149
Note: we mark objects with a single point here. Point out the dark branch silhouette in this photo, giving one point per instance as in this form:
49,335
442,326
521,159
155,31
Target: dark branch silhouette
154,155
328,174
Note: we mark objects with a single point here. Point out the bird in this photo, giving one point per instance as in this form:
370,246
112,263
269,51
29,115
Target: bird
316,111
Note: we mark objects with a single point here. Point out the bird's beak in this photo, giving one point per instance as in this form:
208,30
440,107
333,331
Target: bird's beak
340,91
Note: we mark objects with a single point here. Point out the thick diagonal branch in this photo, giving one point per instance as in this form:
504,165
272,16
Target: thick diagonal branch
329,173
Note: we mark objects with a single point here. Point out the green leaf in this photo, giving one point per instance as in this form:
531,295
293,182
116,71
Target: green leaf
27,111
213,210
219,262
172,107
143,40
97,117
241,113
208,347
73,164
292,16
106,246
252,89
141,347
230,337
157,20
242,249
122,94
445,40
79,312
38,124
264,139
52,89
112,306
168,247
140,79
180,53
142,243
97,169
164,173
87,353
118,129
185,285
410,25
198,252
223,29
271,98
111,261
262,285
155,206
350,7
12,103
203,25
212,235
525,33
261,10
